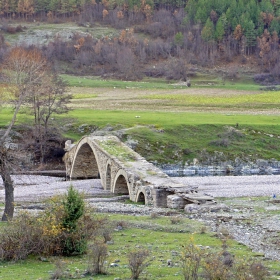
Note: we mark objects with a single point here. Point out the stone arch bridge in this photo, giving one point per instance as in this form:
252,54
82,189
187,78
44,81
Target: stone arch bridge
123,171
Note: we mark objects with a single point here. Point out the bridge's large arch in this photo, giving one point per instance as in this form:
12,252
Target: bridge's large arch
85,163
121,183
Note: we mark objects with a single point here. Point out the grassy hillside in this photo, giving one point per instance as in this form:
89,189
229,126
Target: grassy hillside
169,123
174,124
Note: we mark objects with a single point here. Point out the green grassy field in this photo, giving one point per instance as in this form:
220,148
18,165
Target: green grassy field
163,239
96,82
168,119
198,81
179,137
157,119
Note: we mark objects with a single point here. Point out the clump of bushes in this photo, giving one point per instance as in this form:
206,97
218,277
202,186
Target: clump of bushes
175,220
225,137
198,264
137,262
63,228
11,29
264,78
98,253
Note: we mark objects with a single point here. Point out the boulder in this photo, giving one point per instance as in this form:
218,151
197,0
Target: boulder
175,202
191,208
204,208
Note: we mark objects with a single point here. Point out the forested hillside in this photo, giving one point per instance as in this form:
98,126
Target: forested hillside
158,38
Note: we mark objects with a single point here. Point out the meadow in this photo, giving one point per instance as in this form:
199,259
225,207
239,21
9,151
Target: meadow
164,240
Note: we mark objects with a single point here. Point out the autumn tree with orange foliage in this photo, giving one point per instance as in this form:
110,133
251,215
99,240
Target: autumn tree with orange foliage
25,72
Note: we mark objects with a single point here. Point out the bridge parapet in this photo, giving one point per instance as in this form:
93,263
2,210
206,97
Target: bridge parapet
121,170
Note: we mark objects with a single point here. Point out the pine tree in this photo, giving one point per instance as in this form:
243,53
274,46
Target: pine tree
220,29
253,9
266,6
232,16
74,208
28,8
191,9
41,6
208,31
54,5
224,20
274,26
201,15
250,35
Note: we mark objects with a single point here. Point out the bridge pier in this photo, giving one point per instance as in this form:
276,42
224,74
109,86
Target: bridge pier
160,197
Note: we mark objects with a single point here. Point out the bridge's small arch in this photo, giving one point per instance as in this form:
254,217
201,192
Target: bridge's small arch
85,165
108,177
120,185
141,198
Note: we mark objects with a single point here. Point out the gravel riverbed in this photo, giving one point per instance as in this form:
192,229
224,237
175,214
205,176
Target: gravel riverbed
35,187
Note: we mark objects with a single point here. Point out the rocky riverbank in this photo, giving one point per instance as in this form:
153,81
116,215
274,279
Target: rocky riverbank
236,168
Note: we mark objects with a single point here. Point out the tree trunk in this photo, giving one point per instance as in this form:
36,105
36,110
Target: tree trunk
9,188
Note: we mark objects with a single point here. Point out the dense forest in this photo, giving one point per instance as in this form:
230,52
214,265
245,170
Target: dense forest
197,32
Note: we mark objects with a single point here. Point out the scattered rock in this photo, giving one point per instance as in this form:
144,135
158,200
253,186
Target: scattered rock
191,208
169,263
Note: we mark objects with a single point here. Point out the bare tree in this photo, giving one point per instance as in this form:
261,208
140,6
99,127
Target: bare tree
126,62
21,69
48,98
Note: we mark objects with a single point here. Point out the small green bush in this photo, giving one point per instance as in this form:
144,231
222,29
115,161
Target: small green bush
75,242
63,228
